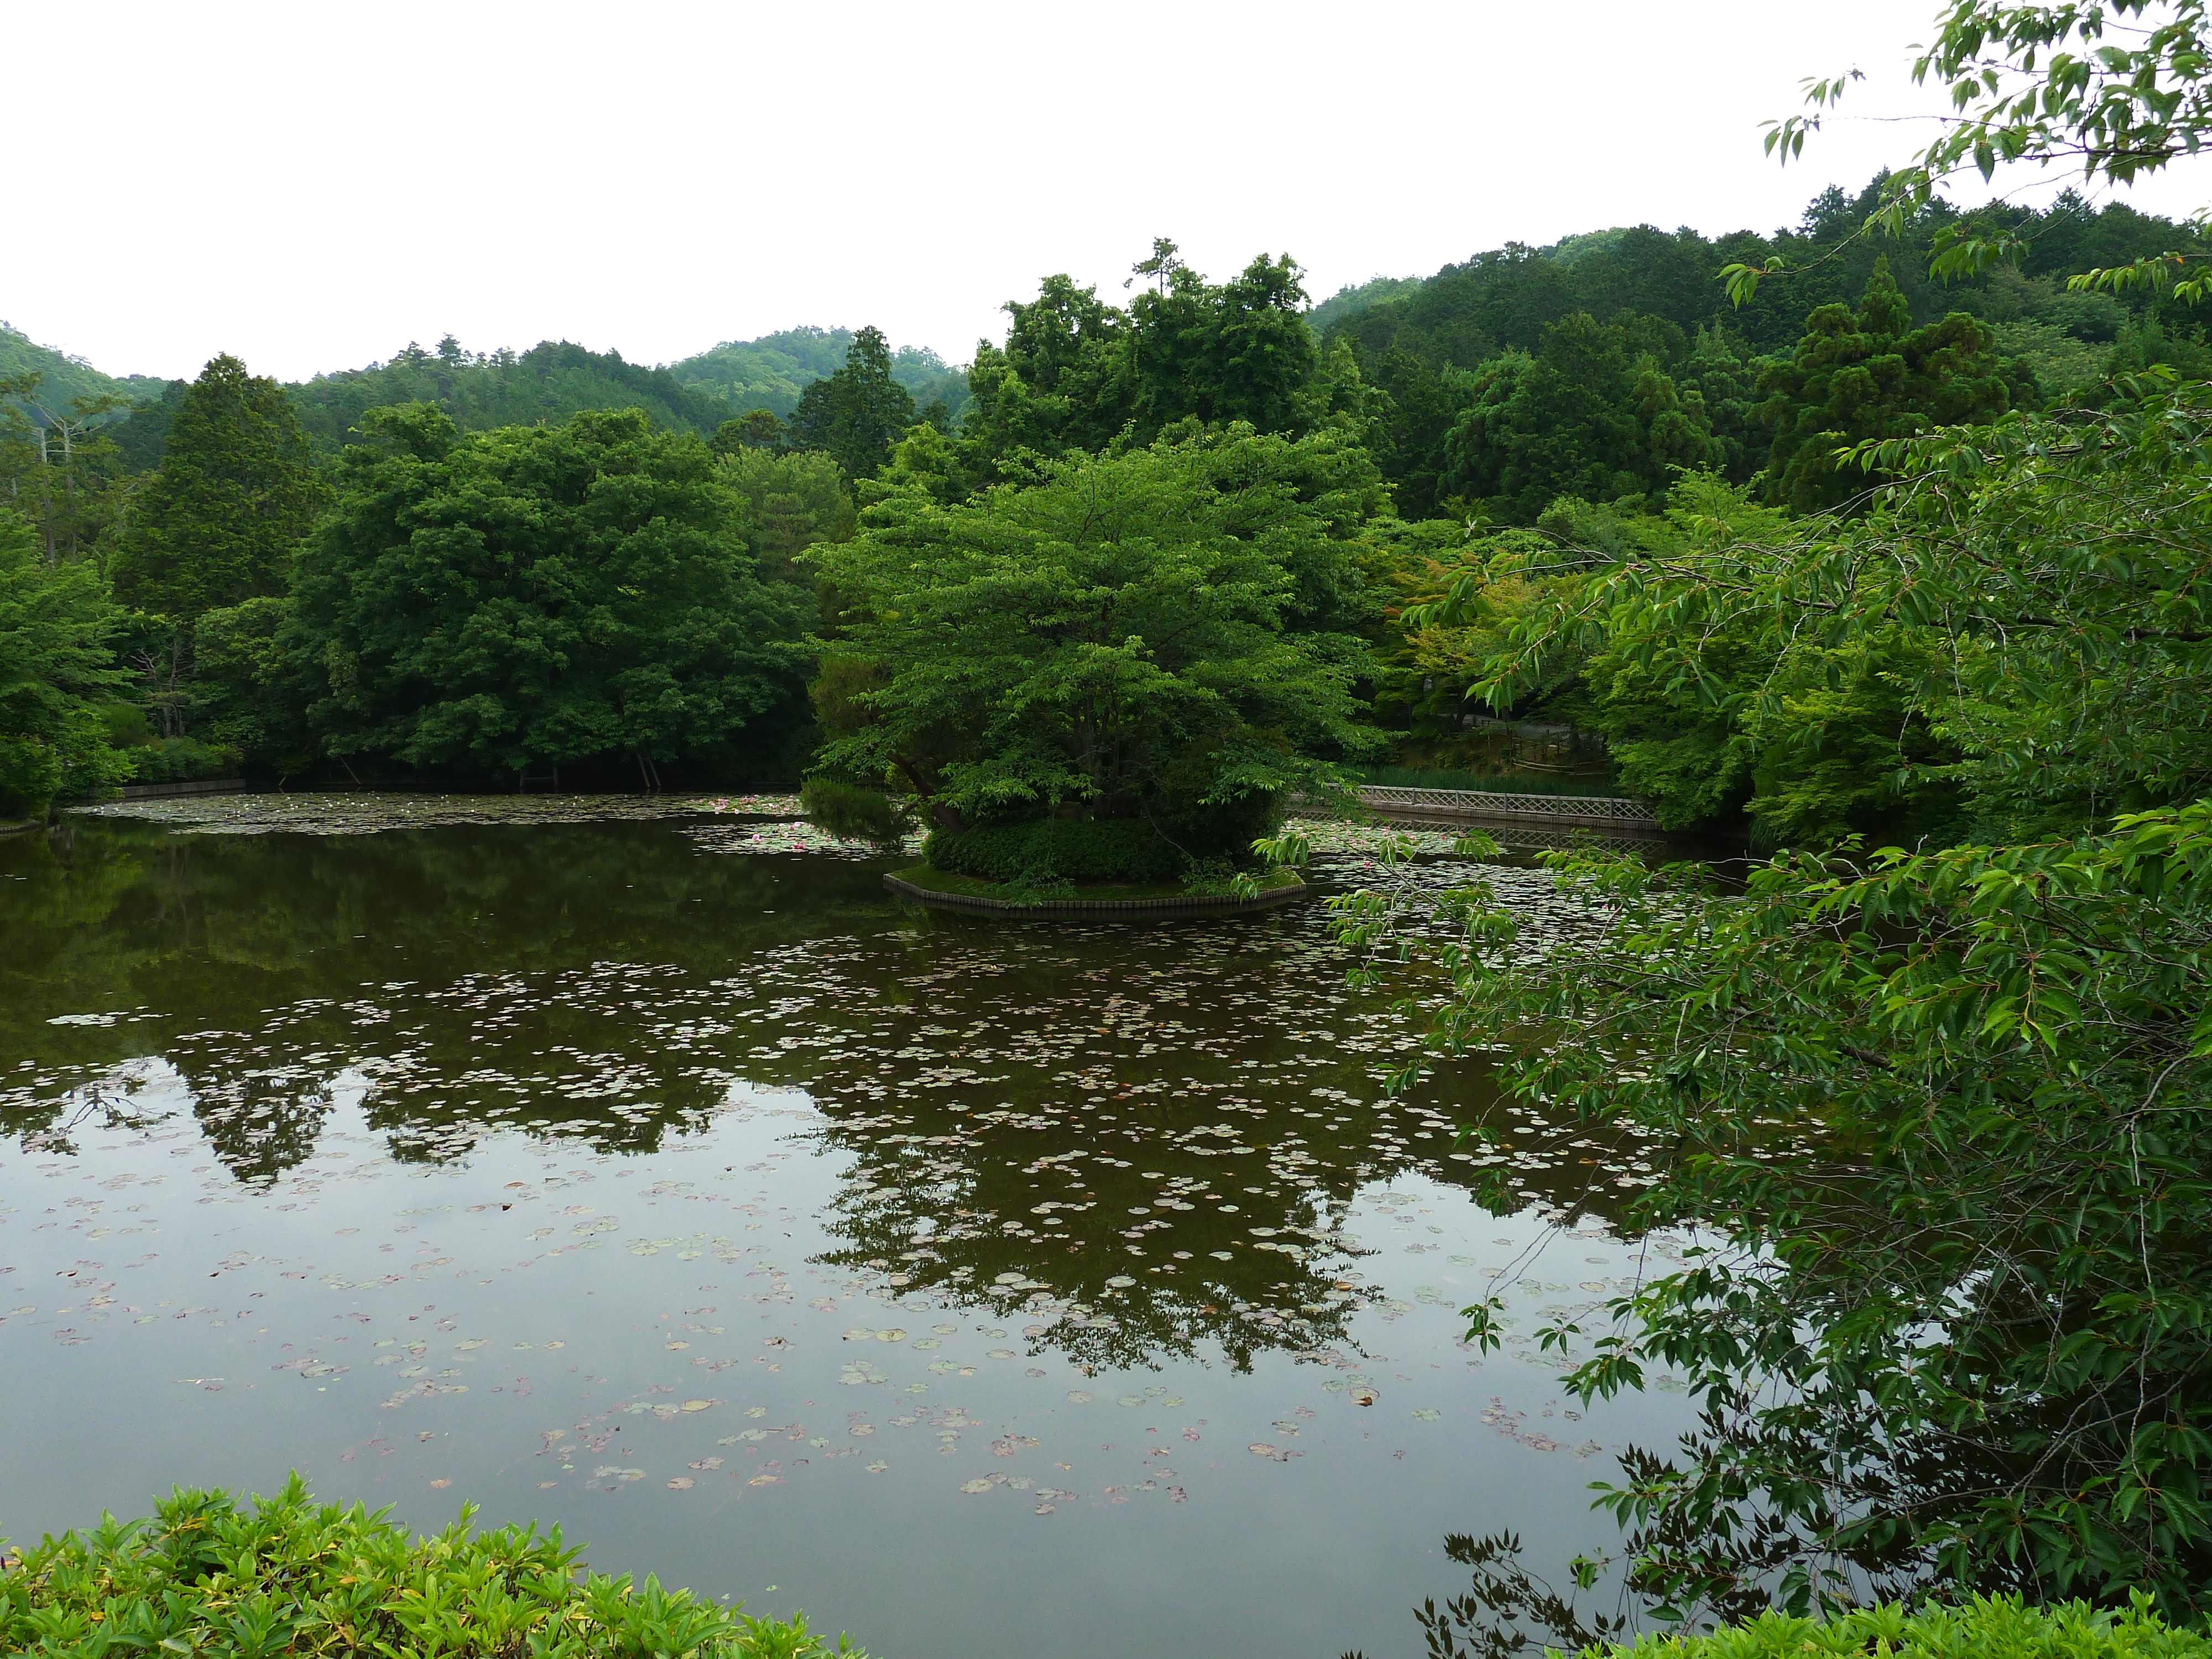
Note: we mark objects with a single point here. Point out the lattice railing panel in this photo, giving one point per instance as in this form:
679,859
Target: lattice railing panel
1598,809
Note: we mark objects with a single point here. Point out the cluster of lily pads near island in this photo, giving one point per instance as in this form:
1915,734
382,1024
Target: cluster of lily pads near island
1058,1132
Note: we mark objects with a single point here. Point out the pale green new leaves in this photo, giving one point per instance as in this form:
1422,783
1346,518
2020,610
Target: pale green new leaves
1164,627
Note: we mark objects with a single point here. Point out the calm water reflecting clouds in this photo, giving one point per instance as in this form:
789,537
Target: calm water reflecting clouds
653,1172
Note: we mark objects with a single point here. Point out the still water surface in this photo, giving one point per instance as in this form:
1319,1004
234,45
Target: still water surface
649,1170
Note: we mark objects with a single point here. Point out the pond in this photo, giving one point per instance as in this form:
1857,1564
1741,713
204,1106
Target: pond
641,1166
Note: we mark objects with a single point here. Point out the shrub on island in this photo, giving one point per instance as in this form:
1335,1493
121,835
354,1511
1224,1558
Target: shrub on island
853,812
1090,851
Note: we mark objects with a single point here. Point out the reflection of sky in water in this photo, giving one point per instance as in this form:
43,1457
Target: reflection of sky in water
971,1285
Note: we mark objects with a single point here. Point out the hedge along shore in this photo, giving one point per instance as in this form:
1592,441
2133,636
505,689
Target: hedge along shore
1984,1627
285,1574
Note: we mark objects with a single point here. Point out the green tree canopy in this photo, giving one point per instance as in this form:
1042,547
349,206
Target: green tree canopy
224,514
1590,413
758,428
1867,373
1957,1323
787,502
57,666
858,413
1161,632
540,596
1075,371
481,390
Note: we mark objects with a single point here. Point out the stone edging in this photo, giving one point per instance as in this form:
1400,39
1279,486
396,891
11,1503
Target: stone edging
1186,903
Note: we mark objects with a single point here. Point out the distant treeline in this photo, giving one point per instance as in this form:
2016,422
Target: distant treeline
558,562
549,382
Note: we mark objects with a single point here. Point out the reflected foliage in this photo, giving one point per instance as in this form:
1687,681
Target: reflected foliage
1031,1113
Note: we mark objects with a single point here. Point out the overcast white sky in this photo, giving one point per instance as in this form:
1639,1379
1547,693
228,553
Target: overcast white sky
311,185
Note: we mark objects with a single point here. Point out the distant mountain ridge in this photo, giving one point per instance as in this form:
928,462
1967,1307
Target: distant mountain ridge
771,372
64,379
552,381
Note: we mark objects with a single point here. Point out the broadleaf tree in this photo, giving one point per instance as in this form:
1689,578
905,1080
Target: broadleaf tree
1165,632
535,597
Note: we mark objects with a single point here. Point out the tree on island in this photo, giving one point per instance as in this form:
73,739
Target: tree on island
1161,635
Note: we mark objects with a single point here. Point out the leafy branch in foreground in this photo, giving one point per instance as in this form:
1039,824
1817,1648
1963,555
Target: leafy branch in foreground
1952,1113
2120,88
291,1576
1942,1118
2041,589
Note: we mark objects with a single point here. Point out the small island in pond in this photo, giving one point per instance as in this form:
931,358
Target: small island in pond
953,891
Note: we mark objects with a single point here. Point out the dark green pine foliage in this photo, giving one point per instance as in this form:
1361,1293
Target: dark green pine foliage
539,597
858,413
224,514
758,428
142,438
1416,418
1868,373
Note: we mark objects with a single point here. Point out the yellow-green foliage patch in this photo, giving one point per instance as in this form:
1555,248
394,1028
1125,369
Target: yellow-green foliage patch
1999,1627
290,1576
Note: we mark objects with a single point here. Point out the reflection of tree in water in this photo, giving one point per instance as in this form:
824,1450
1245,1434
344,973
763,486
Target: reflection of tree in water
1018,1212
108,1104
1507,1610
260,1123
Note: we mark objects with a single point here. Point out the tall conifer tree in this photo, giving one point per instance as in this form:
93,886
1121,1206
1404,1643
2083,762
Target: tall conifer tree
235,492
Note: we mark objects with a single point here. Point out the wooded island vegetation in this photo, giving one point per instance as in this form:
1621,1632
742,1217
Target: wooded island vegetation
1884,541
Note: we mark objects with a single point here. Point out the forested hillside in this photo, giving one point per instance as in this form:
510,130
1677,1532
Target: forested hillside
550,382
1876,552
1603,394
771,372
63,378
1455,343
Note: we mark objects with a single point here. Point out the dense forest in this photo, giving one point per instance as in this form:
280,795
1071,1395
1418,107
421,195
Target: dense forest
1602,392
1881,546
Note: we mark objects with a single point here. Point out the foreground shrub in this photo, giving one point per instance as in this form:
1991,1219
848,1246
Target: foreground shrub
292,1576
848,810
1999,1627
